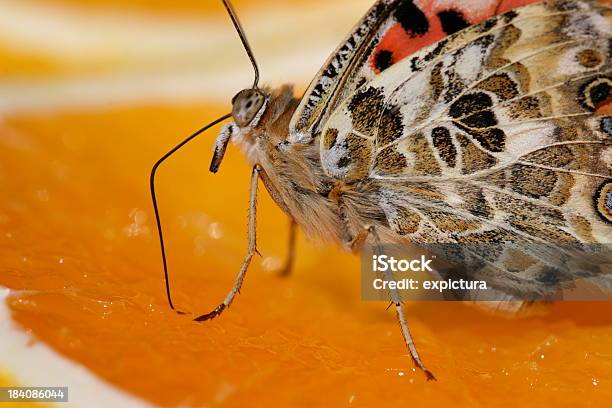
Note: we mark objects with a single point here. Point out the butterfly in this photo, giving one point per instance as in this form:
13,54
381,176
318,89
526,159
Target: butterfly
453,122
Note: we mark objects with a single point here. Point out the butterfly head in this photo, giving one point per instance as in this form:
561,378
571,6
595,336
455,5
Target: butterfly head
248,106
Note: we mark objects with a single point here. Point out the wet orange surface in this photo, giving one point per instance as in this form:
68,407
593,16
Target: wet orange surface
77,234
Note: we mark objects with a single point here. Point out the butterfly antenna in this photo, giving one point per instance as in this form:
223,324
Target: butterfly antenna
156,209
247,48
243,39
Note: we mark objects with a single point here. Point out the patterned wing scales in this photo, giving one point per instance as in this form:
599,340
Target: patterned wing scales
503,135
389,32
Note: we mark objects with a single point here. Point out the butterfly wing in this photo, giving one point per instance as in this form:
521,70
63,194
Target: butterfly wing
499,133
389,32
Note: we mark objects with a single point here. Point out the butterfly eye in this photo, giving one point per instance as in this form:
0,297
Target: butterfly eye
246,105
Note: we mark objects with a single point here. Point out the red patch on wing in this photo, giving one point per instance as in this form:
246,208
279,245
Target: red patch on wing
400,44
397,44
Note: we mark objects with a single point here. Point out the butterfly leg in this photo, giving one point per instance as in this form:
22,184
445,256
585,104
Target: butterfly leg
288,266
252,250
409,342
396,300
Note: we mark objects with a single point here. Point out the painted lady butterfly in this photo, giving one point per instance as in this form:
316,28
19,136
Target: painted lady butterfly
447,121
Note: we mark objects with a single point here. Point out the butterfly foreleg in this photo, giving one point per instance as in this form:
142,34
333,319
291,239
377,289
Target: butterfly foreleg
252,249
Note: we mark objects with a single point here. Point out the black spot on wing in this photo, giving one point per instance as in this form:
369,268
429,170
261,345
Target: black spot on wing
488,25
492,139
600,93
443,143
595,93
412,19
452,21
509,16
344,162
383,60
414,64
436,52
482,119
471,115
470,103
